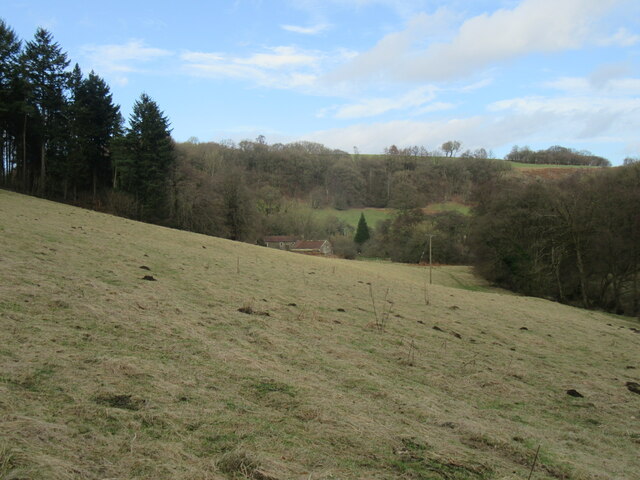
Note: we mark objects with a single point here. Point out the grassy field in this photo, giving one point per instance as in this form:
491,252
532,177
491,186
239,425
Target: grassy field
233,361
352,215
530,166
448,207
374,215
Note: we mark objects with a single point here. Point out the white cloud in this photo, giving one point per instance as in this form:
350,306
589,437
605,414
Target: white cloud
435,107
371,107
312,30
604,75
279,58
583,117
401,7
575,105
375,137
622,38
579,120
279,67
476,85
532,26
127,57
609,86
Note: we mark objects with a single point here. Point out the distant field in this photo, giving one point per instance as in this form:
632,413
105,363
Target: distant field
374,215
516,165
448,207
131,351
543,166
352,216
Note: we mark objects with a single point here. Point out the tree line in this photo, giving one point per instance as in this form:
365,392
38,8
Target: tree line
250,189
556,155
575,240
62,136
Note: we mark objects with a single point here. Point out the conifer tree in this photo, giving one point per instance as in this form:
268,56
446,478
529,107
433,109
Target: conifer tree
44,67
9,53
362,232
96,120
146,158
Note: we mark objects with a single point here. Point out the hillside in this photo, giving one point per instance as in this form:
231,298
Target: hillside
106,375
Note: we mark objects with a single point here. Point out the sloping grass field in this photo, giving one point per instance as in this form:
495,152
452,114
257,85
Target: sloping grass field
235,361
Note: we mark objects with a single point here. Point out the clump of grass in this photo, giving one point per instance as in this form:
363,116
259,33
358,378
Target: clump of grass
410,358
414,465
267,386
7,461
241,464
125,402
238,462
387,305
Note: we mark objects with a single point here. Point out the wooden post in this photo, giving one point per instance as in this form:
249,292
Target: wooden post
430,261
534,462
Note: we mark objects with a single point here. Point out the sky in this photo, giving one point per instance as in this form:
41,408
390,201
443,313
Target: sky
366,74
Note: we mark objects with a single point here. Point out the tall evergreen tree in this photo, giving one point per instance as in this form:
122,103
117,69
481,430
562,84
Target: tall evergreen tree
145,161
9,54
95,121
44,67
362,231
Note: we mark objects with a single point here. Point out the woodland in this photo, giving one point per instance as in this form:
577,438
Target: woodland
574,239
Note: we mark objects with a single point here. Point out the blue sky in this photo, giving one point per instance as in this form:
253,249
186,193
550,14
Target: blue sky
367,73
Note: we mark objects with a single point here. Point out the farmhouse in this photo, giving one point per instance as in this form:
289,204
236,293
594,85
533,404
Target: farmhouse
317,247
295,244
283,242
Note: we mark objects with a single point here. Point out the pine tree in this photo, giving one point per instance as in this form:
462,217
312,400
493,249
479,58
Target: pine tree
362,232
44,67
146,159
9,53
95,122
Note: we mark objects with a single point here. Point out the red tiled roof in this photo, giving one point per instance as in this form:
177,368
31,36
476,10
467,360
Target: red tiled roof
308,244
280,238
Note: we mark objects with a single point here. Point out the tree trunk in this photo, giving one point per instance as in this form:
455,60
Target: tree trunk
94,181
3,157
635,287
43,170
581,272
24,154
556,260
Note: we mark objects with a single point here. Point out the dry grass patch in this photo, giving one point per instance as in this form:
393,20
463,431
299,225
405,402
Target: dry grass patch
106,375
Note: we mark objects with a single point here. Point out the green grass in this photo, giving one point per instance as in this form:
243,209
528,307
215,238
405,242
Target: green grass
352,216
519,165
375,215
106,375
449,207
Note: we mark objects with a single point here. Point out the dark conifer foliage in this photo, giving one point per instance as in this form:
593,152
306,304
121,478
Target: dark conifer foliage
9,101
146,160
362,231
44,65
61,132
95,121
